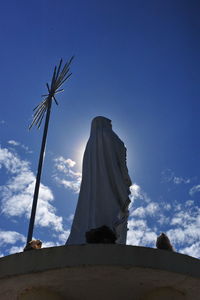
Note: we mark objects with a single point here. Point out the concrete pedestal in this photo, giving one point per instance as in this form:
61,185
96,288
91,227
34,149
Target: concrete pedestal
99,272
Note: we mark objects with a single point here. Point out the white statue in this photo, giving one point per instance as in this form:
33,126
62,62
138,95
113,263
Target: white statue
104,192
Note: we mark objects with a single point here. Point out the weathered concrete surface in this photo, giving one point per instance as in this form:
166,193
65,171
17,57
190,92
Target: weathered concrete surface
99,272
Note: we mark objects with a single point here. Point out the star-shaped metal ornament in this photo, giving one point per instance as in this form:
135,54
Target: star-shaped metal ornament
58,78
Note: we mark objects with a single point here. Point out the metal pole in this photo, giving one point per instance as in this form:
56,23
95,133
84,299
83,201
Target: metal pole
58,78
39,171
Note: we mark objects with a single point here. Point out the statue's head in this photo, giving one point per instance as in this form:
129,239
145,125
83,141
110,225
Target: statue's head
99,122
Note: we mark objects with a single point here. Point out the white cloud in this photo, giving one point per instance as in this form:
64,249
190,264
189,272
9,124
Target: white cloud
46,212
70,218
139,234
138,212
186,229
70,162
166,206
149,238
65,176
189,203
15,143
148,207
17,193
195,189
179,180
169,176
152,208
148,210
193,250
2,122
163,220
63,236
177,206
180,221
61,239
49,244
12,162
183,217
16,249
184,233
138,193
63,164
184,236
10,237
69,184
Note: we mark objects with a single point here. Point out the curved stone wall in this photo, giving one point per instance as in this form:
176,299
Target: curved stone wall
99,272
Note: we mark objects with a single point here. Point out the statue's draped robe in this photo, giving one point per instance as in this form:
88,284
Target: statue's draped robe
104,192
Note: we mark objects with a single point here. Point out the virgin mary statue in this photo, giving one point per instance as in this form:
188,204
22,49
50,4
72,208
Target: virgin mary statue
104,192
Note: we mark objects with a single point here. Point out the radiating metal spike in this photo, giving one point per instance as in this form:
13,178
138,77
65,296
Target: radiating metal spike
60,75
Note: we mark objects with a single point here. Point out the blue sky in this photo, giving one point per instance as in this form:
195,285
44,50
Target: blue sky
137,63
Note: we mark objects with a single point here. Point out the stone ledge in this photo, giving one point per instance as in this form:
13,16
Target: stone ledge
101,254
